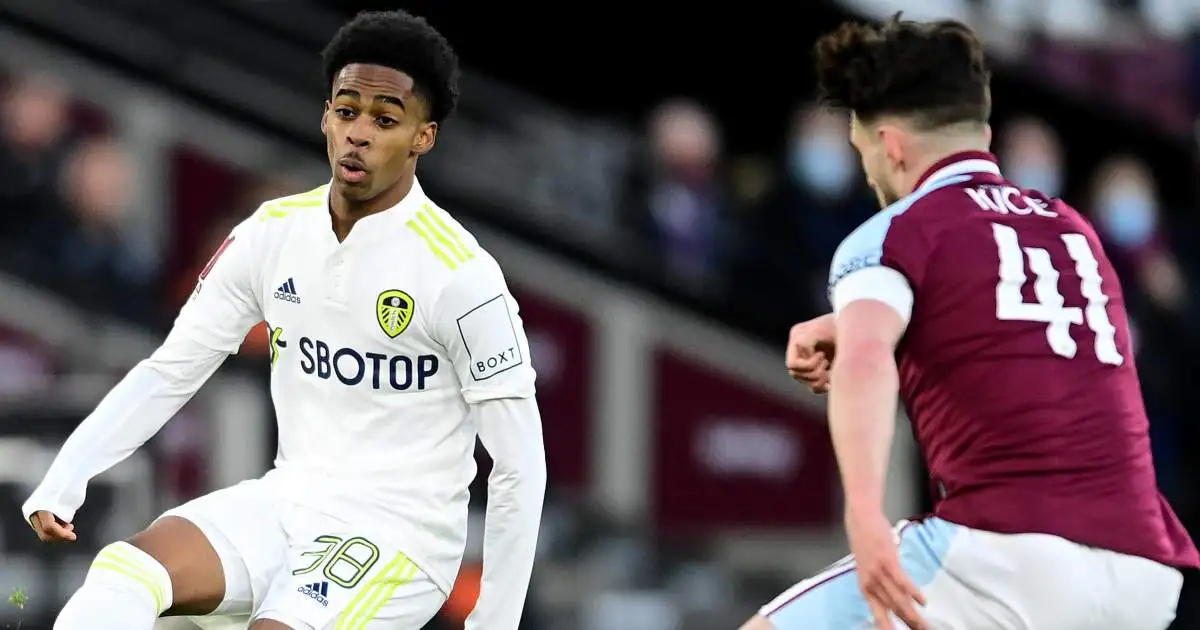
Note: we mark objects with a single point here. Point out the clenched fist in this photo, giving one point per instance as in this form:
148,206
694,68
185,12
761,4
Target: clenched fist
809,354
50,529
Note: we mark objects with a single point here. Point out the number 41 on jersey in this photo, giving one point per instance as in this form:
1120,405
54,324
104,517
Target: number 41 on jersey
1050,307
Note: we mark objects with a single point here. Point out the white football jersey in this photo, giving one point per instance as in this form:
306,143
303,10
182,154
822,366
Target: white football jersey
378,345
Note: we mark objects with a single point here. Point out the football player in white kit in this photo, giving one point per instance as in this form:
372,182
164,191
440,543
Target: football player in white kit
394,342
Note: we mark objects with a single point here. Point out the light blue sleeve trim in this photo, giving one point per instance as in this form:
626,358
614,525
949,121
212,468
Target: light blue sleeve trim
863,248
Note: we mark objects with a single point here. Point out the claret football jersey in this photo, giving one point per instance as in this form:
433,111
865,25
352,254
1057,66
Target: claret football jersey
1016,367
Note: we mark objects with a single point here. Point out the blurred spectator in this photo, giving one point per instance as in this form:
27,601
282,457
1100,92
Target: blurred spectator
821,199
1125,208
1031,155
89,258
34,140
682,209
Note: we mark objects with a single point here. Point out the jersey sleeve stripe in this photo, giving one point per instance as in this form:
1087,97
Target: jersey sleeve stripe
272,213
437,218
279,208
443,234
433,246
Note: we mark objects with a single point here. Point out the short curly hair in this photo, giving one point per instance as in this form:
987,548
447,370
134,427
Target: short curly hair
401,41
932,72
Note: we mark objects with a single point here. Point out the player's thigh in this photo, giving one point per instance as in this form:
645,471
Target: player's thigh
197,578
344,581
831,600
244,548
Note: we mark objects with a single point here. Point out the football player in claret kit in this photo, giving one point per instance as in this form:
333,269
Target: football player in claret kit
995,315
394,342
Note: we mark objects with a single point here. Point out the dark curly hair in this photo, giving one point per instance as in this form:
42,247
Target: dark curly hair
401,41
934,73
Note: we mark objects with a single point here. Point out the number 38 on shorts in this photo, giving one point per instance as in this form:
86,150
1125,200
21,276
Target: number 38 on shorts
348,583
343,562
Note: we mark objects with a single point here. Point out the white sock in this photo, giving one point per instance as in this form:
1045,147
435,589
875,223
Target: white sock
125,589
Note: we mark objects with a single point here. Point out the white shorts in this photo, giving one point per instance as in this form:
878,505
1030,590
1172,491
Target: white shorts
980,580
308,570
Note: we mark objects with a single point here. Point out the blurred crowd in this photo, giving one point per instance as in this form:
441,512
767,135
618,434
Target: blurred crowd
65,184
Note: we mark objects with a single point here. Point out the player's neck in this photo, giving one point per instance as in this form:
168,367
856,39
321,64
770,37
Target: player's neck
939,148
346,212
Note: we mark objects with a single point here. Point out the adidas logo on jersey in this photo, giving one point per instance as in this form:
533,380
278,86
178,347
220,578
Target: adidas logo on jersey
318,591
287,292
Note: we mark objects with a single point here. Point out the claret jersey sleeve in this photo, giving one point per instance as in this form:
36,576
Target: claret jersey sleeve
881,260
475,319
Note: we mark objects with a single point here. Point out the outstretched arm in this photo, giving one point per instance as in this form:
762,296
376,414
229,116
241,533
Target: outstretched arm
210,326
132,412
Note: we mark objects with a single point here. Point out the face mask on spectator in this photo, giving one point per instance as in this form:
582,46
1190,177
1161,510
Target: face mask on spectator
1127,216
822,163
1043,178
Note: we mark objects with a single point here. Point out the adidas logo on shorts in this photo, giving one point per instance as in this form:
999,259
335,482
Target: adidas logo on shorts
318,591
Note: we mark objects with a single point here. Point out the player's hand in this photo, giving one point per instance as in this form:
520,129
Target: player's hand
886,587
809,353
50,529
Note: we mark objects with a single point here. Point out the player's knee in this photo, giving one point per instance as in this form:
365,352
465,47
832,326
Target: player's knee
758,622
125,589
121,567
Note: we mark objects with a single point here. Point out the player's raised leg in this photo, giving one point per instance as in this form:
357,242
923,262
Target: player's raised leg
214,554
170,567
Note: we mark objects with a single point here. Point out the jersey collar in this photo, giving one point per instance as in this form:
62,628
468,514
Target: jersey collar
402,210
962,163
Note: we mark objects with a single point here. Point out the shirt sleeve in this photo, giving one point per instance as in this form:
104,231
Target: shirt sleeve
225,304
131,413
881,283
511,431
892,238
476,321
209,327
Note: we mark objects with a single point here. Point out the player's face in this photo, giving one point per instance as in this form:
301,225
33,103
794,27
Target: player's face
876,147
375,127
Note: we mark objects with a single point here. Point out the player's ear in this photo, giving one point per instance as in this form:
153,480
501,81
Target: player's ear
325,116
425,139
892,139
